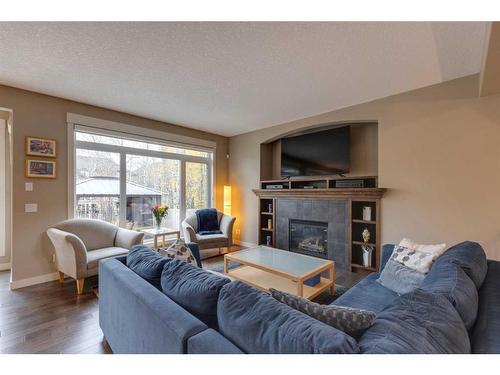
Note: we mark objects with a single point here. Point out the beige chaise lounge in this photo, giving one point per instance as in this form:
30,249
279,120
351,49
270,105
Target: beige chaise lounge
81,243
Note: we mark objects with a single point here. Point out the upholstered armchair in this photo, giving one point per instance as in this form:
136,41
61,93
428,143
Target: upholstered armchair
81,243
209,241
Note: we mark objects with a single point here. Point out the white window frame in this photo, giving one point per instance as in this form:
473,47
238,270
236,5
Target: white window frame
109,128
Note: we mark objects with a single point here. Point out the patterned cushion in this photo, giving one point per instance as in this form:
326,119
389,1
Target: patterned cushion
436,250
180,251
351,321
416,260
400,279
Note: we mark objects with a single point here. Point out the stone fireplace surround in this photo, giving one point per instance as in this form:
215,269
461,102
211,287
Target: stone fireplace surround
332,211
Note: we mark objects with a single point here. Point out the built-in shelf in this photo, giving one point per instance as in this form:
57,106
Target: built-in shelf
363,243
364,221
267,211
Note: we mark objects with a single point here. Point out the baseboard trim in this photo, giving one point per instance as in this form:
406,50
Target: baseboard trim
245,244
34,280
4,266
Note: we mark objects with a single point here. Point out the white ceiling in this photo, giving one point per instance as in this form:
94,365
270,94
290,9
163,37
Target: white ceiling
231,78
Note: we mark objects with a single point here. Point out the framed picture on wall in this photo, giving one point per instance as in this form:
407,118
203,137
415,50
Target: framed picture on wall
41,168
41,147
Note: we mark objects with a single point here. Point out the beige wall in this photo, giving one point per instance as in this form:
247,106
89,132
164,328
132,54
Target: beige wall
42,115
439,157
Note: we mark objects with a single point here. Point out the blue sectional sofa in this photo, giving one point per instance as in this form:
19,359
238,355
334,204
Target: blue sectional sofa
455,310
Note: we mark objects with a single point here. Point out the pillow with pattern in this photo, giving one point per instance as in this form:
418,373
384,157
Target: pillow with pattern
436,250
413,259
351,321
180,251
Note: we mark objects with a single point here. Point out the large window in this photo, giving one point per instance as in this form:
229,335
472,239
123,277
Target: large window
120,179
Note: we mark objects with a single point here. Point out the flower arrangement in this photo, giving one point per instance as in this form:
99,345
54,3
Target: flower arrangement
159,212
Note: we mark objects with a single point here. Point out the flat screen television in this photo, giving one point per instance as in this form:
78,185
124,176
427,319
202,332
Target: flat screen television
325,152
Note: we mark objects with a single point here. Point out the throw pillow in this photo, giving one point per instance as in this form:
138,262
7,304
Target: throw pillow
351,321
180,251
207,220
413,259
436,250
194,289
147,263
399,278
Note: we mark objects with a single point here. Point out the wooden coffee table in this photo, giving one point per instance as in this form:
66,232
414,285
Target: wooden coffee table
161,233
266,267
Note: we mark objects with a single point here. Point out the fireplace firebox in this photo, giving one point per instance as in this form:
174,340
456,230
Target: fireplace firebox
309,237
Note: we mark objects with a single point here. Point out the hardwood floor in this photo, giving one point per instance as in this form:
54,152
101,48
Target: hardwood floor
49,318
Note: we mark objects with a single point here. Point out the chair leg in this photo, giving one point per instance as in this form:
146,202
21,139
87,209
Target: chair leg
61,277
79,285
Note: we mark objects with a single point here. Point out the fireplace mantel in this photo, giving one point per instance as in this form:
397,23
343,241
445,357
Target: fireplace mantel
354,193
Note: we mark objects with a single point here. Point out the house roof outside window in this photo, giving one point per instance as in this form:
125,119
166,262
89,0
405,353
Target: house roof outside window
110,186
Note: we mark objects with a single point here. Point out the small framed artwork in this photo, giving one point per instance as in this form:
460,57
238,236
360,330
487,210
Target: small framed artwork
41,168
41,147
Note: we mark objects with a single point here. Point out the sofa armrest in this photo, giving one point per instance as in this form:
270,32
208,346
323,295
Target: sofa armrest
226,226
71,253
211,342
137,318
387,250
127,238
188,232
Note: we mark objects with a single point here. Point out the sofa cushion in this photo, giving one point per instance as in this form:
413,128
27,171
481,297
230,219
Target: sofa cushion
368,294
94,256
417,322
470,257
347,319
485,335
211,238
147,263
194,289
257,323
451,281
400,278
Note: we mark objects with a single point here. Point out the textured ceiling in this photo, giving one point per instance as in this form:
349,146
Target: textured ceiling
231,78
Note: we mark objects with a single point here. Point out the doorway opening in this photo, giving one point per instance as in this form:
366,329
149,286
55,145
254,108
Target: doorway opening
5,192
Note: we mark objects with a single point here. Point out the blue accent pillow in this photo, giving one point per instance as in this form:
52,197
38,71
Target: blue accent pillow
417,323
258,324
147,263
450,280
399,278
195,289
207,220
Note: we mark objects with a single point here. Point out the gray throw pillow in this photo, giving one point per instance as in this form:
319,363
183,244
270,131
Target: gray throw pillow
351,321
400,278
